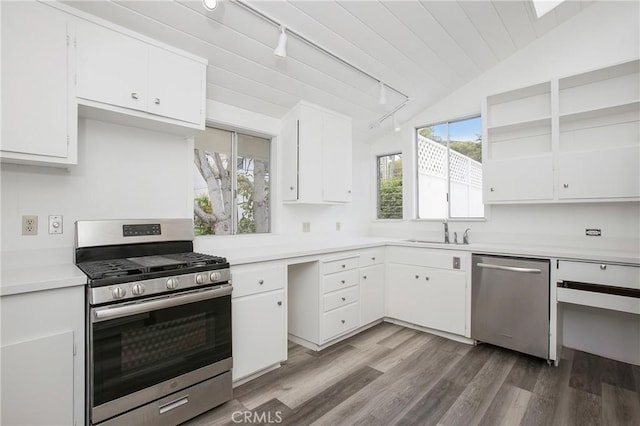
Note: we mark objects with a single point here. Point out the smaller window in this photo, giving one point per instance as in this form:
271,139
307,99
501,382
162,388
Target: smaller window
389,186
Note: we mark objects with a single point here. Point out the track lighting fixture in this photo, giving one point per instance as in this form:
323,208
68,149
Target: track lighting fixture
396,125
281,49
383,94
210,4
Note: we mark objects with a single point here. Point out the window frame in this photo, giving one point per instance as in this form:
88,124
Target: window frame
377,186
233,168
416,210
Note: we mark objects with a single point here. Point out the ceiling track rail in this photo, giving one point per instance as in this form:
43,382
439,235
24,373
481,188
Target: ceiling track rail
264,16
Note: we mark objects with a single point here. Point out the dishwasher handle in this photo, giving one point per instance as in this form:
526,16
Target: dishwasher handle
509,268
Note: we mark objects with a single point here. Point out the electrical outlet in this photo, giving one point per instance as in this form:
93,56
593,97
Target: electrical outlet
306,226
337,226
55,224
29,225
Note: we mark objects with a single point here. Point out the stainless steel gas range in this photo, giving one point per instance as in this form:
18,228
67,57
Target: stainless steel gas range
158,322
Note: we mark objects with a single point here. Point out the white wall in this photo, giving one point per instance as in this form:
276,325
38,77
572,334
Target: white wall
122,172
604,33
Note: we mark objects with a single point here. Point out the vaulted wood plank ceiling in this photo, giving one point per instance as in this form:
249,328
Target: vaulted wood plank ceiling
425,49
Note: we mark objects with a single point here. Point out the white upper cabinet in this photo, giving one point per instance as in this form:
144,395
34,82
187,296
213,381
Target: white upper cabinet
117,70
317,152
39,116
572,139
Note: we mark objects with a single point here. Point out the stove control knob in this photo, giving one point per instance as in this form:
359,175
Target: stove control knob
138,289
201,278
118,292
172,283
215,276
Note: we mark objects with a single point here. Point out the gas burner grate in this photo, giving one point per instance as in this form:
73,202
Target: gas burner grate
192,259
110,268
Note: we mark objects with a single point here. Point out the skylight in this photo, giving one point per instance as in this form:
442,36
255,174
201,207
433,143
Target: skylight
543,7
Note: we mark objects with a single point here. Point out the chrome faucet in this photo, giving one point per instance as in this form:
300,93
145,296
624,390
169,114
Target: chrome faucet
446,231
465,236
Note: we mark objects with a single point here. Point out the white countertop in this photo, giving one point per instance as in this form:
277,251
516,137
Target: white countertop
45,270
54,268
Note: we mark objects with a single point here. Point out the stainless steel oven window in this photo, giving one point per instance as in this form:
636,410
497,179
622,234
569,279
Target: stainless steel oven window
134,352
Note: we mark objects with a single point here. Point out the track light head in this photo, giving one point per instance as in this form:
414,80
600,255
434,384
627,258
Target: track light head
396,125
281,49
210,4
383,94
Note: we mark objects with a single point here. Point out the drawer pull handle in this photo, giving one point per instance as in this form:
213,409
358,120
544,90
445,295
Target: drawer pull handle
261,282
134,95
344,299
279,303
603,267
566,185
373,258
343,321
344,266
364,277
157,101
342,281
417,276
426,278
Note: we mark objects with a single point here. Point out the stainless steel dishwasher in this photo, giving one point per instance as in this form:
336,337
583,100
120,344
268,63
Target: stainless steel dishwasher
510,303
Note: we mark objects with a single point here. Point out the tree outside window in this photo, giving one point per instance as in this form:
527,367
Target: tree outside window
227,163
389,186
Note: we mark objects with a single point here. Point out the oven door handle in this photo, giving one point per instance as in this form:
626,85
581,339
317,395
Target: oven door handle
112,312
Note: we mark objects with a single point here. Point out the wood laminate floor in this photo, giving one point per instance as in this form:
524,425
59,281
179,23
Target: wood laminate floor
391,375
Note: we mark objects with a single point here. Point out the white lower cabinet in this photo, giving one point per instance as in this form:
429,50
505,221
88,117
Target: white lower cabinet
371,293
42,357
428,297
258,309
259,334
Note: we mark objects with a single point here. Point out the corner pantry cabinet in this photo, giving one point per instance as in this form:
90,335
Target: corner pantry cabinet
317,152
39,114
574,139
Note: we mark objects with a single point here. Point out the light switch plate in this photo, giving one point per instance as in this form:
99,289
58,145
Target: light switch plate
55,224
456,262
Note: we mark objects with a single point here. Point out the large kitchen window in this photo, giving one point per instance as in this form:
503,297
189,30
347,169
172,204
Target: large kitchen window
231,183
449,170
389,186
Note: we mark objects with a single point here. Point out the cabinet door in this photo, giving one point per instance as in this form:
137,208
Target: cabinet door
371,293
611,173
37,381
289,168
406,293
36,82
176,86
259,332
112,67
336,158
518,179
445,300
310,155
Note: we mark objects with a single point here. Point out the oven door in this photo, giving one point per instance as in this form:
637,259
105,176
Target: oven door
142,351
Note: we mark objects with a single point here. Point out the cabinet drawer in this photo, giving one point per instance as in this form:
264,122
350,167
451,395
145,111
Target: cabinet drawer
371,257
600,273
338,265
340,321
340,298
340,280
258,278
